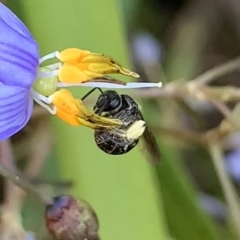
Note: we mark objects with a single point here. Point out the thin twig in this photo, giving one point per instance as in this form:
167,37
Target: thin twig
221,107
179,88
13,194
26,186
218,71
40,146
20,181
227,186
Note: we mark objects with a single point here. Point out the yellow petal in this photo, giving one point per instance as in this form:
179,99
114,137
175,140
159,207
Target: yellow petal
74,112
95,62
103,60
73,55
64,101
91,125
68,118
71,74
102,68
91,75
67,109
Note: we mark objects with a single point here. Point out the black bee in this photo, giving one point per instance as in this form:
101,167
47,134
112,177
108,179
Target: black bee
121,140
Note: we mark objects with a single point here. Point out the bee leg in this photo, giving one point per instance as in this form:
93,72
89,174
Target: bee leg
88,116
93,125
105,121
90,92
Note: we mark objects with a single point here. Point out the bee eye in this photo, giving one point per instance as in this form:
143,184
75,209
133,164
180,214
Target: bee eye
113,104
107,102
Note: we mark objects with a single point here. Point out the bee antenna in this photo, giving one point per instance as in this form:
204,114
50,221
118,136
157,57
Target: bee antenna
90,92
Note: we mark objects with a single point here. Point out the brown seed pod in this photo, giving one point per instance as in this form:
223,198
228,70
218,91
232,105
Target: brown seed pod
68,218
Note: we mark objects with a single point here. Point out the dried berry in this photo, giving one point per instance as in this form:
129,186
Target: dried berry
68,218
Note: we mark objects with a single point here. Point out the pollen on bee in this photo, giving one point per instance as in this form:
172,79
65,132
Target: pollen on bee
136,130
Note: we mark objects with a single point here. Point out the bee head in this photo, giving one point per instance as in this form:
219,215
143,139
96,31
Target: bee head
108,101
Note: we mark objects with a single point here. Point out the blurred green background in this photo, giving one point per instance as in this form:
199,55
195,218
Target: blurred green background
163,41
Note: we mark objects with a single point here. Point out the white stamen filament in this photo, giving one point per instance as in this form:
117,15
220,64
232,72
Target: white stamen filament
48,56
130,85
43,101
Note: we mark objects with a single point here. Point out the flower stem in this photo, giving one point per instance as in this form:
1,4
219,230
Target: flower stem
227,186
25,185
218,71
18,180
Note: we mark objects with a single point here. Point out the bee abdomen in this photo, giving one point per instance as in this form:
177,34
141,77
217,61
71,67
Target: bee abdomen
113,143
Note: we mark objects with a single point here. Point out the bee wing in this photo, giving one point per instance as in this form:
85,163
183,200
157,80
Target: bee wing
154,155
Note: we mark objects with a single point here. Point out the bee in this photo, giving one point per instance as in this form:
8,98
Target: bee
122,139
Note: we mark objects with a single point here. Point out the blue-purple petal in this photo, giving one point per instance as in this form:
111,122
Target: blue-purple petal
19,54
16,106
9,17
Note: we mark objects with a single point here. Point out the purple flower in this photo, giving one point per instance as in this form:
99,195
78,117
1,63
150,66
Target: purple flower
23,79
18,68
